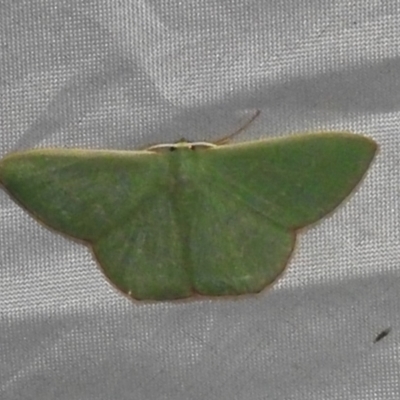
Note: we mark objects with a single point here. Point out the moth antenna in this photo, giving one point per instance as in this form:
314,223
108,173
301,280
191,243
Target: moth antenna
226,139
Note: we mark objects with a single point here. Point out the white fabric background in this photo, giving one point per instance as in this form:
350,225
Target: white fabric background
127,73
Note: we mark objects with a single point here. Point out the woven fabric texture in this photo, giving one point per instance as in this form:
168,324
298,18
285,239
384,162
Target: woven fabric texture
125,74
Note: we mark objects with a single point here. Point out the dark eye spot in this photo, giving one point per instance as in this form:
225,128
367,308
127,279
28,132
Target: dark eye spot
193,148
172,148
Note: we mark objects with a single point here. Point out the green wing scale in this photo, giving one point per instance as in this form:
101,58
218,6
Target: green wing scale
211,221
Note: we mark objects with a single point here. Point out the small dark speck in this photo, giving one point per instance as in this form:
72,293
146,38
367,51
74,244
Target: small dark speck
382,334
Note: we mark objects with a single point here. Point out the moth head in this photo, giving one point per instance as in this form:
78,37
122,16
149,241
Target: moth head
180,145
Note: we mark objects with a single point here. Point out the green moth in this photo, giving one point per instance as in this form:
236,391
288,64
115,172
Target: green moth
181,219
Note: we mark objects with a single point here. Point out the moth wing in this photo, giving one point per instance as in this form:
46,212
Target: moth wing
82,193
294,180
255,195
116,201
